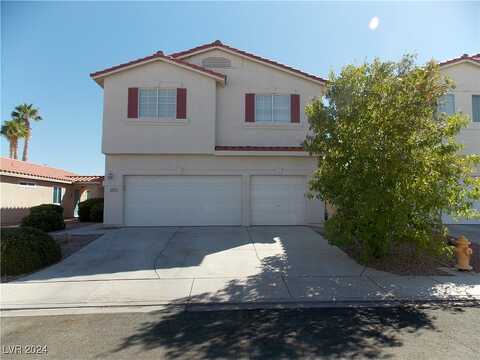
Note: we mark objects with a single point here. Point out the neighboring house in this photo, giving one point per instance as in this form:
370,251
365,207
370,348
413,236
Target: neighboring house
207,136
23,185
465,98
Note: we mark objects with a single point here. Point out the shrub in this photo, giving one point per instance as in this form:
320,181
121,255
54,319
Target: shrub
389,160
44,219
96,212
84,208
49,207
26,249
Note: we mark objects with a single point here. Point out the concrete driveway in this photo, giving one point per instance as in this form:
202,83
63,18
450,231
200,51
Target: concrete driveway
209,264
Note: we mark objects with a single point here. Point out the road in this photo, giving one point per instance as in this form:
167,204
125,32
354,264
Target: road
437,332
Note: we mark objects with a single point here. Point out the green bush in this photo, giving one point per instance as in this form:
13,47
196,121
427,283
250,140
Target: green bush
96,212
84,208
26,249
389,160
44,219
49,207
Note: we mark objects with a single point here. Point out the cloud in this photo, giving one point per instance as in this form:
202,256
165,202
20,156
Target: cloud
373,24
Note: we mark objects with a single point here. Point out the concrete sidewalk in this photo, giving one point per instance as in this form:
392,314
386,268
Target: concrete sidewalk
256,267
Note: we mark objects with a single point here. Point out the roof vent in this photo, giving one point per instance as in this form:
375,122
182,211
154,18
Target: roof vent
217,42
159,52
464,55
216,62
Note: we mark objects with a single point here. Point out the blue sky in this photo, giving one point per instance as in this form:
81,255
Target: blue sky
48,50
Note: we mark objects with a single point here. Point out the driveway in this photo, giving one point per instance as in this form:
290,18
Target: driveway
211,264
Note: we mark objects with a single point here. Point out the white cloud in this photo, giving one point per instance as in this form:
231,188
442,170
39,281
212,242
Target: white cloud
373,24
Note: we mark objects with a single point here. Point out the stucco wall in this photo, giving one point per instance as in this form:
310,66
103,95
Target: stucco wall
121,165
122,135
467,81
16,200
247,76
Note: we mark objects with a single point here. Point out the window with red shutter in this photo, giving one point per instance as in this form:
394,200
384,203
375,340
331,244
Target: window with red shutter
181,103
249,107
132,103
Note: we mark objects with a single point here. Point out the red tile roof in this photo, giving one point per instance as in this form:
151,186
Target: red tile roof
158,55
18,168
86,178
219,44
465,57
259,148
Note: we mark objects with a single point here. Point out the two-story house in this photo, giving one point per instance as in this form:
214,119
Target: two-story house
207,136
465,98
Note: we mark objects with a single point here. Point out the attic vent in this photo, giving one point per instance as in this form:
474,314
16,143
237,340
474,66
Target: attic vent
216,62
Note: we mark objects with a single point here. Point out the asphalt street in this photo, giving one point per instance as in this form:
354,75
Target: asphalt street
434,332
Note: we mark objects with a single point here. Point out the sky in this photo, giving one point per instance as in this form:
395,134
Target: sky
48,50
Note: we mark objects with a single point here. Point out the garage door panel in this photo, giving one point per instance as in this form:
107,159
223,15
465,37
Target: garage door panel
278,200
182,200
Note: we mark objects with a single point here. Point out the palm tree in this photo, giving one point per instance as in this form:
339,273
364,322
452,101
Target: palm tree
13,130
25,113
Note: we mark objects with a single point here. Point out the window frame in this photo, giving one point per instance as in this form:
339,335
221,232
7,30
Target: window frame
477,121
453,104
157,103
57,195
272,109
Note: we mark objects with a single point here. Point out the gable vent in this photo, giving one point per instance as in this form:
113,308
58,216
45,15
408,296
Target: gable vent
216,62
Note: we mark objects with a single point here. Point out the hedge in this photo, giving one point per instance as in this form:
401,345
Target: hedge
25,249
96,212
45,217
84,209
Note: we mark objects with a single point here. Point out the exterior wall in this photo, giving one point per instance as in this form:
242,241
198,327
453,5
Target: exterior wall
121,165
195,135
247,76
16,200
467,81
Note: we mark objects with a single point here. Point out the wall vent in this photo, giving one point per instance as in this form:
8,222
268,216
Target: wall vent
216,62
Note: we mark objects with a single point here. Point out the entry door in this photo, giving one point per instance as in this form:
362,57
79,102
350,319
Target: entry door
183,200
278,200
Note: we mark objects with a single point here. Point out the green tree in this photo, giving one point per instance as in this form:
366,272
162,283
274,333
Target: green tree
389,162
13,130
25,113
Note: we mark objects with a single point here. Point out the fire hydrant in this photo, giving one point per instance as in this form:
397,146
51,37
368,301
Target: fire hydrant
463,252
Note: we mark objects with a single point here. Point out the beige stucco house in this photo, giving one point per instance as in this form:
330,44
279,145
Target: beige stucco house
465,98
207,136
23,185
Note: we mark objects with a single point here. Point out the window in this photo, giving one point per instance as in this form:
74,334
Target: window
272,108
57,195
157,103
476,108
27,184
447,104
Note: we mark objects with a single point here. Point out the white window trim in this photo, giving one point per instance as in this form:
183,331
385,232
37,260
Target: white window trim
149,119
273,123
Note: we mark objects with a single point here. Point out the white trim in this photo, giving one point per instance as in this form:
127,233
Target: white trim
261,153
99,77
264,62
156,121
462,61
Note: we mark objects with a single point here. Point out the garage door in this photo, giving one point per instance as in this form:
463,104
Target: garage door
278,200
183,200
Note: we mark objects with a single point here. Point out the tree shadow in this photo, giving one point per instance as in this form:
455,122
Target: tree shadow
306,333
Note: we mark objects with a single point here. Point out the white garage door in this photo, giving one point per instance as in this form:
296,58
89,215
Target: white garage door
278,200
183,200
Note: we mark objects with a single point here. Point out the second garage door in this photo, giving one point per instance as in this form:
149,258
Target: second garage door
278,200
183,200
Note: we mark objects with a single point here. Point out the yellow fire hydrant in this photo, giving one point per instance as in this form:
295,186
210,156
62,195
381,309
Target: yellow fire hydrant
464,253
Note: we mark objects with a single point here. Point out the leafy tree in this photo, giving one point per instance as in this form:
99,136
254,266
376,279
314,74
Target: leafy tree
13,130
389,162
25,113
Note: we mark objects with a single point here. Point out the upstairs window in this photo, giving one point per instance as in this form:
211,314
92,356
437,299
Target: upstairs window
272,108
476,108
447,104
157,103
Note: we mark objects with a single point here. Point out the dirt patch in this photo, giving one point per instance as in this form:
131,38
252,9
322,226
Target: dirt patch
404,260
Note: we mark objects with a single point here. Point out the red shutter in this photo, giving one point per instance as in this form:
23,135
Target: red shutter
181,103
295,108
249,107
132,103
